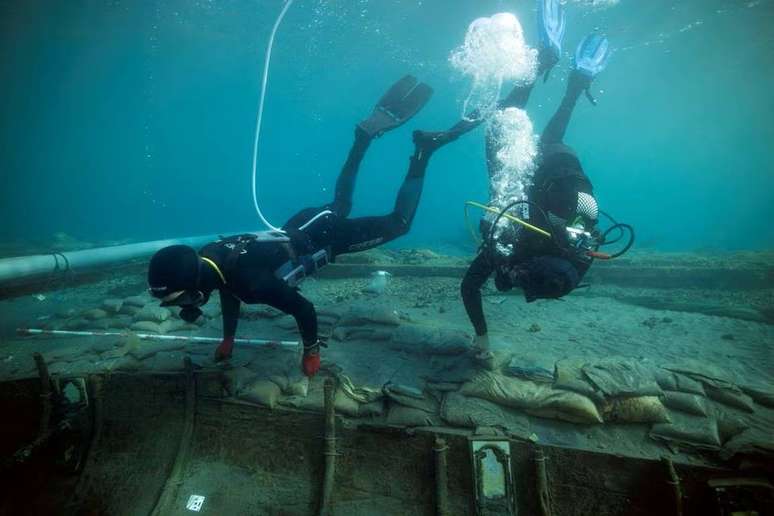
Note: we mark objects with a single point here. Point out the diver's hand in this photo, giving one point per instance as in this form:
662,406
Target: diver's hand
310,363
224,350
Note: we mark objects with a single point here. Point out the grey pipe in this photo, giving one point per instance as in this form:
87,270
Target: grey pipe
21,270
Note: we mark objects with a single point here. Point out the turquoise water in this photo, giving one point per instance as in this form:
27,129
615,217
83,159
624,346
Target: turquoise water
135,119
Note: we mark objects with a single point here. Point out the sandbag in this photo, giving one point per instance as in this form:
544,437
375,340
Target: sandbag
130,310
622,377
684,402
730,395
751,441
462,411
639,409
665,379
368,315
541,399
166,361
375,408
688,385
138,301
567,406
94,314
234,380
406,416
760,394
346,405
688,431
146,326
112,306
157,314
297,386
120,322
729,425
77,324
530,367
417,339
568,375
425,403
263,392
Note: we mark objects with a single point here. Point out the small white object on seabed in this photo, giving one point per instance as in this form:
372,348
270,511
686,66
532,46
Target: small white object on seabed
379,280
195,503
39,297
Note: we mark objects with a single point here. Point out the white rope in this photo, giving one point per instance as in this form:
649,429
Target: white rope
264,80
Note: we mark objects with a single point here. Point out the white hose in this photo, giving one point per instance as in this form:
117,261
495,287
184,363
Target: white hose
260,113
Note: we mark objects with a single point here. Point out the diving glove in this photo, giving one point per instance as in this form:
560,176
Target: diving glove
310,363
224,350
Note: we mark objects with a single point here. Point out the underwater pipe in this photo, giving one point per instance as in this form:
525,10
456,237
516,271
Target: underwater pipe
24,271
329,389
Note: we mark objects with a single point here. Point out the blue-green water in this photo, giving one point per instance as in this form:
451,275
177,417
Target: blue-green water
135,119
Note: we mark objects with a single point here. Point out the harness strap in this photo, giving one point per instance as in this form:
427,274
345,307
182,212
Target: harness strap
215,268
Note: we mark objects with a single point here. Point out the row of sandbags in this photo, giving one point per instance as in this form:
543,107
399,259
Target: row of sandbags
676,404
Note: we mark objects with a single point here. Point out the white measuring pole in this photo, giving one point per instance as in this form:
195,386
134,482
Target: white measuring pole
149,336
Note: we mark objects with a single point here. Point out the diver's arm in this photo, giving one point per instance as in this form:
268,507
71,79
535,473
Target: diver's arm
477,274
290,301
229,307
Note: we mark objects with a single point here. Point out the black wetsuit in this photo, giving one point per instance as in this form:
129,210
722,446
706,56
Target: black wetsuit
250,266
542,267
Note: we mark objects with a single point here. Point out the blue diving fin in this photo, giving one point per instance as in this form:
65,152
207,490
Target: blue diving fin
551,25
591,58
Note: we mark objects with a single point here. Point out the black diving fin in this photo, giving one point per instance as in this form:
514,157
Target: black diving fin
403,100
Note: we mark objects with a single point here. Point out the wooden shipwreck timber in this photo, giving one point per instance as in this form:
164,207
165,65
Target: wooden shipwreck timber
178,443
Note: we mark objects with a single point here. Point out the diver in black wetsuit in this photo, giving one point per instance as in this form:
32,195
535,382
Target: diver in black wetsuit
560,196
267,267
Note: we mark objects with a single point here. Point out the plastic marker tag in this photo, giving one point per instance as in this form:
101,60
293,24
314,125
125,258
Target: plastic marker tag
195,503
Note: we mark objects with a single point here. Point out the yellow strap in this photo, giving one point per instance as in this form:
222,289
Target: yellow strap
509,217
215,267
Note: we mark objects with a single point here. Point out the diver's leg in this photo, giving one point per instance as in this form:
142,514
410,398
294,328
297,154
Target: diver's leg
470,289
345,184
353,235
591,58
557,126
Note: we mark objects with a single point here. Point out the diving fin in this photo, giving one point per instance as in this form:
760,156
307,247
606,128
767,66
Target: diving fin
551,25
403,100
591,58
592,55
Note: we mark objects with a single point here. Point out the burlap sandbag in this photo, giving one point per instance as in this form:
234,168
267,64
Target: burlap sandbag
760,394
540,399
684,402
623,377
729,395
688,431
234,380
751,441
639,409
401,415
263,392
346,405
568,375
